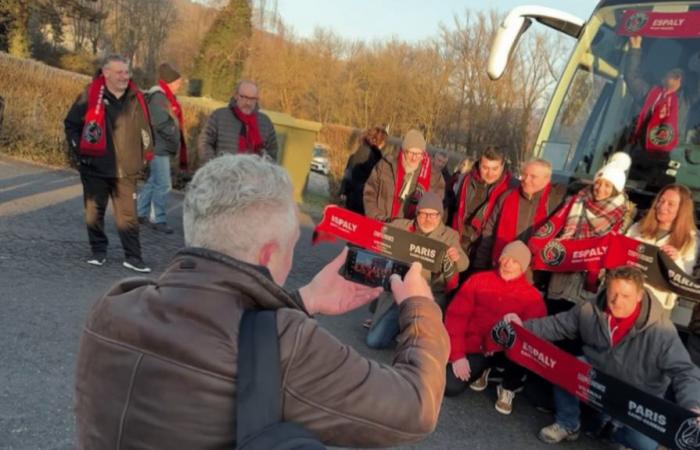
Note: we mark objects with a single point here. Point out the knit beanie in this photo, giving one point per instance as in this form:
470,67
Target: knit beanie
167,73
413,139
430,200
519,252
614,170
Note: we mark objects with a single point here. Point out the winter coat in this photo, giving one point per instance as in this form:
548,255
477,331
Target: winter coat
480,303
165,125
650,356
222,130
157,364
686,260
379,191
128,136
357,171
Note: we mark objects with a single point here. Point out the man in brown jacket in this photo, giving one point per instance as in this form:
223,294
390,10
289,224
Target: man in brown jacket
158,358
397,181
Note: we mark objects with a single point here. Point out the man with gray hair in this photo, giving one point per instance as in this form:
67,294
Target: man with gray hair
520,211
157,364
239,127
110,141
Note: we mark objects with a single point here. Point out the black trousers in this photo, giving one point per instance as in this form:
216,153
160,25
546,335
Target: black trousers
96,194
513,374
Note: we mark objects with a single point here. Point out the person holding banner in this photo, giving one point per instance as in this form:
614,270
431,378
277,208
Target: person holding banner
519,212
397,182
670,225
595,211
480,303
627,336
429,223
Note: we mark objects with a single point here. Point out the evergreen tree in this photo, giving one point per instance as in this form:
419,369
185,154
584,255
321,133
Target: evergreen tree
224,50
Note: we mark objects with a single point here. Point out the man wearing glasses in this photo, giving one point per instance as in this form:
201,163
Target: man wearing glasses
239,127
429,223
397,182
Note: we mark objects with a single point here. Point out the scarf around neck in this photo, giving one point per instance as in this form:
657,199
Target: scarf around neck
422,185
484,211
93,139
589,218
658,120
176,109
249,140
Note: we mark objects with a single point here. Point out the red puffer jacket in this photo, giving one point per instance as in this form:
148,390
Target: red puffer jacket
480,303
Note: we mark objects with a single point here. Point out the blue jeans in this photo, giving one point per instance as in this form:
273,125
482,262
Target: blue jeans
385,329
155,191
567,415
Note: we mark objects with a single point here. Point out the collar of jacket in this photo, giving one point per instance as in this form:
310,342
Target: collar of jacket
650,312
217,271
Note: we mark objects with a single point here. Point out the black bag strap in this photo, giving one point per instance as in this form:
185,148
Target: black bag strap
258,401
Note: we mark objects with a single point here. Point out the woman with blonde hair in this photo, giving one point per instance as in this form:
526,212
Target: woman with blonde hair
670,225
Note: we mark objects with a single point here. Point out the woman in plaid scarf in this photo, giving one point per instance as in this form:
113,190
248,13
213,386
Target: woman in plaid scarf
597,210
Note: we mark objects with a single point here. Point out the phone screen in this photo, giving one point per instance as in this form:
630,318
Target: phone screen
371,269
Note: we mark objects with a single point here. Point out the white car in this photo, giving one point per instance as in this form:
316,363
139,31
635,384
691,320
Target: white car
320,162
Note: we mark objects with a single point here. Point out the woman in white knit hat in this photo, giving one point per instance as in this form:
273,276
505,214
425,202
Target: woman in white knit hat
597,210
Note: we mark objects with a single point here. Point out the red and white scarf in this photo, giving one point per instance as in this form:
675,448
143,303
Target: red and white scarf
176,109
658,120
483,213
422,185
249,140
506,230
589,218
93,139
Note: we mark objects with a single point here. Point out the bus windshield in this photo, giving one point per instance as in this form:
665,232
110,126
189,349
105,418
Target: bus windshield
633,85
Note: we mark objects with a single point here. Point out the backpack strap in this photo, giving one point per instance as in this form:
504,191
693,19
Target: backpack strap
258,397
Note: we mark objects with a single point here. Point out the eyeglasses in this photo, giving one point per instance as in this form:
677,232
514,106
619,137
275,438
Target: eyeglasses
414,154
428,215
245,97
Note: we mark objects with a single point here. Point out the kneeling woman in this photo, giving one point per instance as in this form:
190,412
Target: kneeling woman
481,302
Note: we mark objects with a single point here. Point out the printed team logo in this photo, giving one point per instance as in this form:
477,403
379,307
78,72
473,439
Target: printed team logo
503,334
145,138
688,435
545,230
92,132
553,253
661,134
636,22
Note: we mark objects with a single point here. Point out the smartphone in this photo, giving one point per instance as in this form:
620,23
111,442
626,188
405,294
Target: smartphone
371,269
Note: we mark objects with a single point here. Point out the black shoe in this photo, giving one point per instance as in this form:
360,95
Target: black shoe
97,259
163,228
143,221
137,265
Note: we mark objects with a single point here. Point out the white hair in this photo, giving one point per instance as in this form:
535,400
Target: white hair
540,162
237,203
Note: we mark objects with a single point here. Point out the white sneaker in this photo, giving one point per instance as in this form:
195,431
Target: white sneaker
555,433
481,383
504,404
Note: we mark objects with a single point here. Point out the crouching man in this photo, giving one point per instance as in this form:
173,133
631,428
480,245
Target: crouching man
158,358
625,334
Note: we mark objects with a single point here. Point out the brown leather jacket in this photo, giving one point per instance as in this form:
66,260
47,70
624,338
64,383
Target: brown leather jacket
157,364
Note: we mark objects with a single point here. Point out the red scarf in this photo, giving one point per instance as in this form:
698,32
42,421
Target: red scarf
506,230
484,211
659,120
93,140
619,327
422,185
249,140
177,112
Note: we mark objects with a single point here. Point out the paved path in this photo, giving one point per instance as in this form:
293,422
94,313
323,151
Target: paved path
46,290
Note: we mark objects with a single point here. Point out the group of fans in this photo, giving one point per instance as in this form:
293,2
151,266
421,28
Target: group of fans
486,217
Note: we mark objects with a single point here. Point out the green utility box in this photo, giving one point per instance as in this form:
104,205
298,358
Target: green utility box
296,140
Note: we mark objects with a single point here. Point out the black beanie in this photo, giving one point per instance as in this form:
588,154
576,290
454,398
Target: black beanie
167,73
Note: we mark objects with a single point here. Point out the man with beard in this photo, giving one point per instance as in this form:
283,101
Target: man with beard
239,127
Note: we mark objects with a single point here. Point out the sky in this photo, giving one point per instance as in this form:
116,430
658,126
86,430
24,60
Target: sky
410,20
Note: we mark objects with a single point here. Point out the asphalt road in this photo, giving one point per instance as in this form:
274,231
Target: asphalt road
46,290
